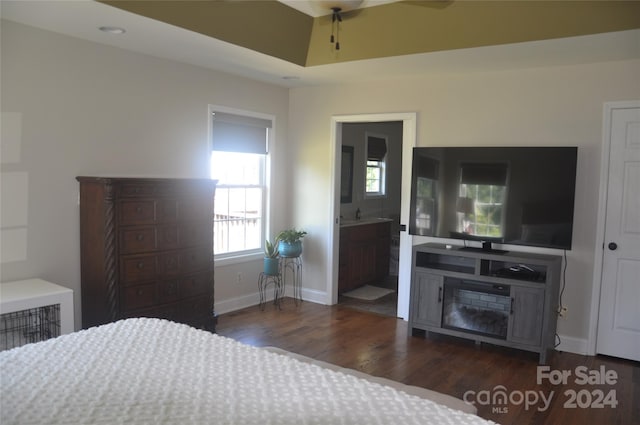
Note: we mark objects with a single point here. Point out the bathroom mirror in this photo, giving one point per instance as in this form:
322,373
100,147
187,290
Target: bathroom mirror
346,175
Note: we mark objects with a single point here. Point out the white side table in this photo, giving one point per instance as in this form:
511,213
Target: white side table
24,295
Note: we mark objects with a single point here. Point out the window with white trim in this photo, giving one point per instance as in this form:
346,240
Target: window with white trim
375,175
483,192
238,161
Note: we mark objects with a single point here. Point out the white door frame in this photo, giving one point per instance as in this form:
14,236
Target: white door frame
409,122
602,208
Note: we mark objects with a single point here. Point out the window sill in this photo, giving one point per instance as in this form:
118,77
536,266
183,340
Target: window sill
238,258
375,196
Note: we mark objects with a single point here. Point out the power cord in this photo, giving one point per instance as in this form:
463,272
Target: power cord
561,306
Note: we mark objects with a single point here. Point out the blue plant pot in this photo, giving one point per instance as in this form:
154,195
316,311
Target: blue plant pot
293,249
271,266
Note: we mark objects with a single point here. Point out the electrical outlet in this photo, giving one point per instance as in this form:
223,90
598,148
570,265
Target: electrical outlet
239,277
562,311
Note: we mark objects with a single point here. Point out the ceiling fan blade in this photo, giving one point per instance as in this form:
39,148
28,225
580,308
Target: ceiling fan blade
349,14
434,4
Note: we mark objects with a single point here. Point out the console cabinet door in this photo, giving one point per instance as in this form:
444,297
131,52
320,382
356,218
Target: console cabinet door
525,322
427,299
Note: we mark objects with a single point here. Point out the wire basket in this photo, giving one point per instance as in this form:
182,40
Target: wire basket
27,326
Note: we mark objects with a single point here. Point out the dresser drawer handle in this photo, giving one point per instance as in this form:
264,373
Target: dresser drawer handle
140,265
140,237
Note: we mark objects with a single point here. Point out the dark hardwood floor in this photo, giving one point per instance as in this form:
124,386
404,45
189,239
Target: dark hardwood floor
382,346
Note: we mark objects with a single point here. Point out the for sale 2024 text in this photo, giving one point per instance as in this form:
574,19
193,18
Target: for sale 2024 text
583,398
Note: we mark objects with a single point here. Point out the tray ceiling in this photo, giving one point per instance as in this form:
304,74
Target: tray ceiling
269,41
385,30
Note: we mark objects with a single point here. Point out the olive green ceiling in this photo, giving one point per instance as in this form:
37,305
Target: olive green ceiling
402,28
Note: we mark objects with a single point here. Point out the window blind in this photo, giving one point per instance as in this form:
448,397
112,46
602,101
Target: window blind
238,133
425,167
376,148
494,174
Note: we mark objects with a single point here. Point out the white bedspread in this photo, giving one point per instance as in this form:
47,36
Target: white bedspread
148,371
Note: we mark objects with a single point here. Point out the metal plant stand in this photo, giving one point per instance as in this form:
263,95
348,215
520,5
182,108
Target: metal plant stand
292,265
264,280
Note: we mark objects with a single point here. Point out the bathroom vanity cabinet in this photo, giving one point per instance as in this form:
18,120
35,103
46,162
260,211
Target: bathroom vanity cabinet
364,253
503,298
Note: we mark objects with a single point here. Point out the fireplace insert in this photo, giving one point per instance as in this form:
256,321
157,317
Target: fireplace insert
476,307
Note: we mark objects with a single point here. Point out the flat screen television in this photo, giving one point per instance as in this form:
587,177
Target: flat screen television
505,195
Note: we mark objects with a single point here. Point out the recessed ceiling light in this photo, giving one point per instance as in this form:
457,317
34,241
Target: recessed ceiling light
112,30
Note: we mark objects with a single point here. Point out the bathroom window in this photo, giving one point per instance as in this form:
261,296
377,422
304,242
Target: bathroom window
239,161
375,175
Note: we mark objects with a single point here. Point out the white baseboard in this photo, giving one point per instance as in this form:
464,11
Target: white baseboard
249,300
573,345
238,303
313,295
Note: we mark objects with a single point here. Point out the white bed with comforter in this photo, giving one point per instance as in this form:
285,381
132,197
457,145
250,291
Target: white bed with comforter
150,371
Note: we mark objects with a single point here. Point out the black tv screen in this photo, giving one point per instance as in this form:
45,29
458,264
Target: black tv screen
506,195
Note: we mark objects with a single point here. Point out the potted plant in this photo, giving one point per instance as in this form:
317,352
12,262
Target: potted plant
290,242
271,263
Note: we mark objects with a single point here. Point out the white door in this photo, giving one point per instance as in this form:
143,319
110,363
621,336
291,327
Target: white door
619,317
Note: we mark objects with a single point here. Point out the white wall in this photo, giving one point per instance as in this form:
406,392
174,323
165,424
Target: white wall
542,106
89,109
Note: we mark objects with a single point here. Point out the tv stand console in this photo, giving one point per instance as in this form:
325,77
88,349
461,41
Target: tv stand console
507,298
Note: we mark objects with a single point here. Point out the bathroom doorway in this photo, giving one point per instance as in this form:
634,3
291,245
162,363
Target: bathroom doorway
370,187
369,207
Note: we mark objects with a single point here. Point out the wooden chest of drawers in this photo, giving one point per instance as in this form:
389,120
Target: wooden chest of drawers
147,249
